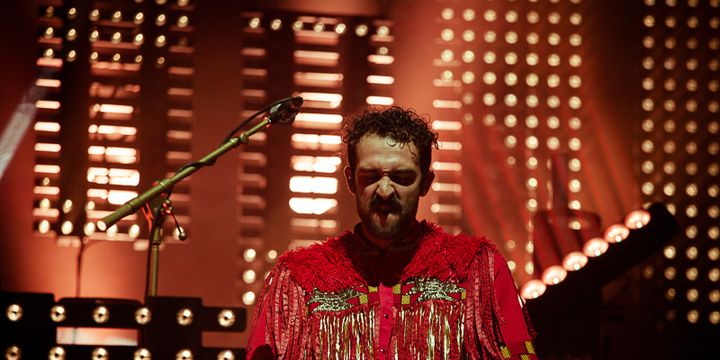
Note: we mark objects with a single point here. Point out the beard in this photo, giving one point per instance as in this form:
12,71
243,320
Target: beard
387,219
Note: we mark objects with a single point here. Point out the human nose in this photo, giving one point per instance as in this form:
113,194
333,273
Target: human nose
385,188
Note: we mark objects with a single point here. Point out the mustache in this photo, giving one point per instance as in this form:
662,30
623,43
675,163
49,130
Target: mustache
393,204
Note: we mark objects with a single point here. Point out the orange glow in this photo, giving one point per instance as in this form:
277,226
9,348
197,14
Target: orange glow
119,197
318,58
46,190
447,104
125,177
446,125
52,83
616,233
254,52
47,169
379,100
47,126
574,261
595,247
446,209
45,147
320,118
446,187
254,72
118,155
533,289
554,275
321,164
446,166
327,80
317,206
110,129
115,109
321,100
315,142
315,223
380,80
450,145
637,219
313,184
47,104
179,135
381,59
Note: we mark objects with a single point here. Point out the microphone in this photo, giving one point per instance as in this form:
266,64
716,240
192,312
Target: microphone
284,112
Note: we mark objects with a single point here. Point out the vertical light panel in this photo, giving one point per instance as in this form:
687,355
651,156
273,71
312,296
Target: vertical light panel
447,118
117,115
679,147
513,70
292,185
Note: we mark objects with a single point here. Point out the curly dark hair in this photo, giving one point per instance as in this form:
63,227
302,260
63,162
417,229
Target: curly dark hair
403,125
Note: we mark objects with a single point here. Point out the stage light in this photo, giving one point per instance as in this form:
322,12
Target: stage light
248,298
139,18
94,15
490,15
185,317
468,15
226,318
468,35
468,77
361,30
160,41
447,14
532,38
57,353
533,289
532,59
58,313
616,233
447,34
532,79
134,231
468,56
89,229
184,354
249,255
143,315
142,354
249,276
489,57
271,256
66,228
138,39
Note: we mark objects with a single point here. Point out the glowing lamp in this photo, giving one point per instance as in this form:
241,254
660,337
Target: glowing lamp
554,275
595,247
637,219
574,261
533,289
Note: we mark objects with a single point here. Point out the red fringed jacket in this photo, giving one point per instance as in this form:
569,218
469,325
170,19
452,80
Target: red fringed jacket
439,297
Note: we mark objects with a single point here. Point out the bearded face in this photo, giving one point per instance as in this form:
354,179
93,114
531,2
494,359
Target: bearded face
387,184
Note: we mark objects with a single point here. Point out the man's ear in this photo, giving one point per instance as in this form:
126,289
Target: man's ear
427,182
349,179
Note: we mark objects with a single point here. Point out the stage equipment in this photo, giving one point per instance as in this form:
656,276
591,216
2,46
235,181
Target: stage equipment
157,198
167,327
566,315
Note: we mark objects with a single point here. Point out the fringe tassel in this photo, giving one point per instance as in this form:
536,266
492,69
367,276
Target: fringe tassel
483,310
430,330
346,335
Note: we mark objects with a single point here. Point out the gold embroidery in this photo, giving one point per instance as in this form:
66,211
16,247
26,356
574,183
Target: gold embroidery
433,289
505,352
530,348
328,301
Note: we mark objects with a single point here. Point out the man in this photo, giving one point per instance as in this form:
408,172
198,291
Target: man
393,287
